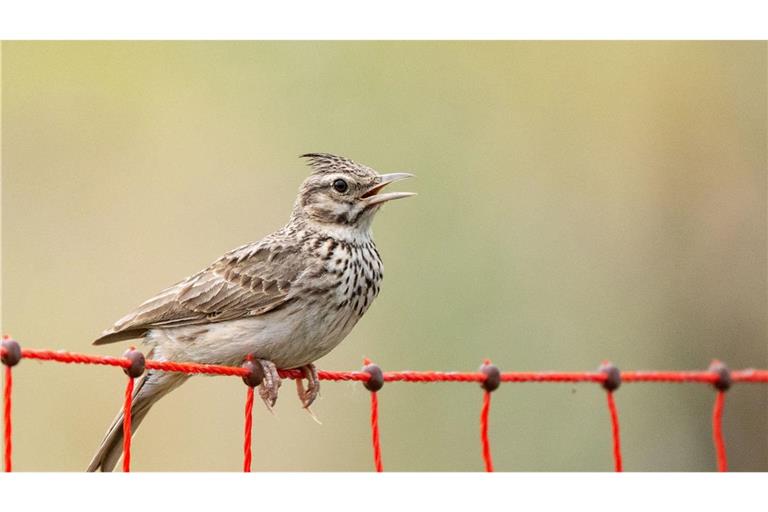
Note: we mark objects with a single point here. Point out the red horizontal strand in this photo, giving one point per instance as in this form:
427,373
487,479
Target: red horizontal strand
197,368
429,376
749,375
338,376
71,357
553,377
703,377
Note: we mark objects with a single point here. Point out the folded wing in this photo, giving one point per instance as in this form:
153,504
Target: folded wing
250,280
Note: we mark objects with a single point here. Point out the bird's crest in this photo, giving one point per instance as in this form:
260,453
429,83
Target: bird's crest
321,163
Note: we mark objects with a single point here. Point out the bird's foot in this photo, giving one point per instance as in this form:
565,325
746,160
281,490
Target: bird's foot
271,383
308,395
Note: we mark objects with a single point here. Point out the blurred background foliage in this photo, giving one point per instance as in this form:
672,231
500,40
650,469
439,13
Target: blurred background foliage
578,201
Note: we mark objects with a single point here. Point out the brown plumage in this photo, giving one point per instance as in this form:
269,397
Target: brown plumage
286,300
251,280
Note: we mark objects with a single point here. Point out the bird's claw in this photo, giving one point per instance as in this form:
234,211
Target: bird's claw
308,395
271,383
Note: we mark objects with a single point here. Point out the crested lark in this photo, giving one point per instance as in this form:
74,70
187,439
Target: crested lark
287,299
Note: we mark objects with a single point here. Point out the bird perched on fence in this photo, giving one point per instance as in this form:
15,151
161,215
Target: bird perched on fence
286,300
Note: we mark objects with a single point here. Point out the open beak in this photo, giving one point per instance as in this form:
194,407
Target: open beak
372,195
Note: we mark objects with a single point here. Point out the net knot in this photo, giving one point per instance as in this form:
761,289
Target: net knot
255,372
375,376
11,352
724,379
492,376
612,376
138,363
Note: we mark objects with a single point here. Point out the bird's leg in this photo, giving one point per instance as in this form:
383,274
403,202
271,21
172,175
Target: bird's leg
271,383
307,396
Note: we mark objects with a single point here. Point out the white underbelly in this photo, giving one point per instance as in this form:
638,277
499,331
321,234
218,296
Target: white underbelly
289,337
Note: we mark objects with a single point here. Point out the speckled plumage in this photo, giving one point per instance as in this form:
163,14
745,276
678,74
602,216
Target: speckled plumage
288,299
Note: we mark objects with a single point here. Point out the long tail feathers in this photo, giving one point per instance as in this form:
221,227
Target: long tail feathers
152,387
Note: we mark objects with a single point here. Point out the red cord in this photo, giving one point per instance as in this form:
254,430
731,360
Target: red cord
127,434
750,375
484,431
717,431
405,376
375,432
615,431
704,377
69,357
7,418
248,430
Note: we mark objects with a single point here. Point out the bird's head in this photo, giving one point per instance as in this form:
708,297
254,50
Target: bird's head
342,194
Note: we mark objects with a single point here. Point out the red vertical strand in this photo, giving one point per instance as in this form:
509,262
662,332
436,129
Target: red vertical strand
248,430
7,418
717,431
127,434
375,432
615,431
484,431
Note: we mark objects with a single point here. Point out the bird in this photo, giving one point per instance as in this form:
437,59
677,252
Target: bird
281,302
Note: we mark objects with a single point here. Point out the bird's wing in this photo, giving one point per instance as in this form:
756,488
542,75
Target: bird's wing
247,281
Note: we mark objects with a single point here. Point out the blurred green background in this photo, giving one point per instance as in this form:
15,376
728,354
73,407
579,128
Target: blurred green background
578,201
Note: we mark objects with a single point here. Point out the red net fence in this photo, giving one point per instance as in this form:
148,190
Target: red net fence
488,377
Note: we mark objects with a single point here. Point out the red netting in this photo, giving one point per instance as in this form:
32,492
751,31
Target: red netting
615,431
489,377
127,425
484,411
7,419
375,432
248,430
717,431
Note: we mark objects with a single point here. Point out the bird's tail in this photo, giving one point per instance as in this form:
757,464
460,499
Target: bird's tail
152,387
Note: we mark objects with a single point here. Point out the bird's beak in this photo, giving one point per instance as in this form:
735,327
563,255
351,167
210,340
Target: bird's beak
372,196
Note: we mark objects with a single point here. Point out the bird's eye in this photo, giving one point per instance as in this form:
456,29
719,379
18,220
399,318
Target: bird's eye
340,186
